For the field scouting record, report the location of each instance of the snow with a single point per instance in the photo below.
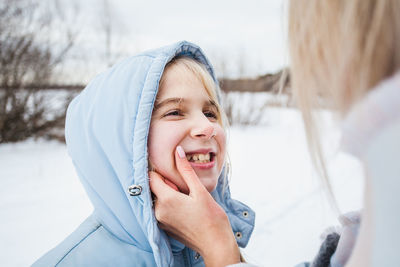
(273, 175)
(42, 200)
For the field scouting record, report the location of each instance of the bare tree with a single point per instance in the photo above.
(27, 61)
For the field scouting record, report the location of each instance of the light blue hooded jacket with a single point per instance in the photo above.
(107, 127)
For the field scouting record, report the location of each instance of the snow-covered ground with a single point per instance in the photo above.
(42, 200)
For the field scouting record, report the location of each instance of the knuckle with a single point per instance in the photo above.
(187, 169)
(185, 166)
(162, 208)
(160, 214)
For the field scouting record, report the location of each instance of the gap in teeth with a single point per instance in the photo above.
(199, 158)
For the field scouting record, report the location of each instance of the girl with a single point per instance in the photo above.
(138, 111)
(348, 53)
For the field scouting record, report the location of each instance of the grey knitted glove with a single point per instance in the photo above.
(349, 232)
(338, 242)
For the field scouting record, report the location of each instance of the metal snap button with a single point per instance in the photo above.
(245, 214)
(238, 235)
(135, 190)
(197, 256)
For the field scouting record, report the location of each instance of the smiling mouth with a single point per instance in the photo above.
(201, 158)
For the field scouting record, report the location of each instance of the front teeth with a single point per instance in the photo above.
(199, 158)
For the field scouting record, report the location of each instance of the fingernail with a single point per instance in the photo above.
(180, 151)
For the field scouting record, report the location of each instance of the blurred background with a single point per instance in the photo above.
(49, 51)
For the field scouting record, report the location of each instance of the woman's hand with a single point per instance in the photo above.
(194, 219)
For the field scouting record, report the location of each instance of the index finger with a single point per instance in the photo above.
(185, 169)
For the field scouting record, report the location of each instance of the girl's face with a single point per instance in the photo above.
(184, 115)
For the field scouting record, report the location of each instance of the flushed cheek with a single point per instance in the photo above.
(160, 150)
(162, 143)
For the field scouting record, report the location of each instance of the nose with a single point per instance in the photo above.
(203, 128)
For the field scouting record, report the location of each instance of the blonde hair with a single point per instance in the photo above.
(339, 50)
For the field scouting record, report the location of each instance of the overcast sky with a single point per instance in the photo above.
(241, 38)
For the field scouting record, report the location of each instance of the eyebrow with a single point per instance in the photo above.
(174, 100)
(177, 100)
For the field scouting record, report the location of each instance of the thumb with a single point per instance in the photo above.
(186, 171)
(159, 186)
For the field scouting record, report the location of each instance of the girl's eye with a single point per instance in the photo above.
(173, 113)
(211, 114)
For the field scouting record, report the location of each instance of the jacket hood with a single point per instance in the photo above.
(107, 127)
